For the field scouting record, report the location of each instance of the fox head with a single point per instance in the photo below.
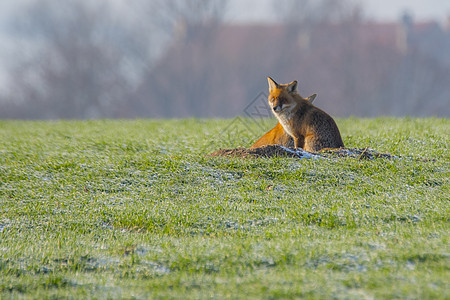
(281, 96)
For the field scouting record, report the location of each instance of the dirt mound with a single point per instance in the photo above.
(280, 151)
(264, 151)
(365, 153)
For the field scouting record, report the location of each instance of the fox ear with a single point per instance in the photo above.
(292, 87)
(311, 98)
(272, 84)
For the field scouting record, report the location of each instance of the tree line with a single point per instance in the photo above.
(165, 59)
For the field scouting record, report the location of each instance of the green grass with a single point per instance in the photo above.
(135, 209)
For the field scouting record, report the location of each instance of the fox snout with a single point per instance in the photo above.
(276, 104)
(277, 108)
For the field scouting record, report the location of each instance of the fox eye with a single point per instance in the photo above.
(272, 99)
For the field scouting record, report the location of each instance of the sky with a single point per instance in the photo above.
(261, 10)
(388, 10)
(380, 10)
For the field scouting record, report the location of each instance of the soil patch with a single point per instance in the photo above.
(280, 151)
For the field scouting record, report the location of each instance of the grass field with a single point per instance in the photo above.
(135, 209)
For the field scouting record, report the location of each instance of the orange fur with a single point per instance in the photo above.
(276, 136)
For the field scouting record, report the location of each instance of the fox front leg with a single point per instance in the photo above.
(299, 142)
(296, 143)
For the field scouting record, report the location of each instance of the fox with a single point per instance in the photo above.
(277, 135)
(311, 128)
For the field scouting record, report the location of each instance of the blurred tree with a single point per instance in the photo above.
(79, 69)
(184, 85)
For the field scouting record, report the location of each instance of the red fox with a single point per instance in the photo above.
(277, 136)
(311, 128)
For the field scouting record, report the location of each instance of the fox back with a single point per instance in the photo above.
(311, 128)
